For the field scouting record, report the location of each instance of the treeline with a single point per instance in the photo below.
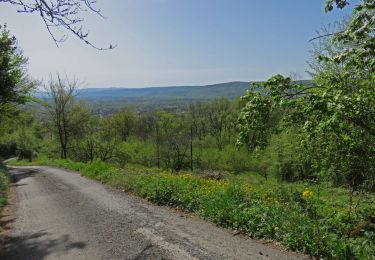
(208, 136)
(201, 138)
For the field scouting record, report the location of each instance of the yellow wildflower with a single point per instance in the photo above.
(277, 228)
(307, 194)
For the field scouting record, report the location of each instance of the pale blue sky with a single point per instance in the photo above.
(178, 42)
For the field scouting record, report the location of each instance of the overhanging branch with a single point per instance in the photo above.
(66, 14)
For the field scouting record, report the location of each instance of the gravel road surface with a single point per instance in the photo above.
(62, 215)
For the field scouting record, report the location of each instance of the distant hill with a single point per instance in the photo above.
(230, 90)
(175, 98)
(107, 100)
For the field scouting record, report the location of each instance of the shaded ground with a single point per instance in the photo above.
(61, 215)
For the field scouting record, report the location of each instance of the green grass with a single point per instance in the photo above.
(319, 224)
(4, 185)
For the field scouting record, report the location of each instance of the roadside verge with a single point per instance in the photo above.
(7, 203)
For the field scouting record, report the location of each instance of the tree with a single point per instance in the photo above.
(56, 14)
(61, 93)
(124, 123)
(172, 141)
(19, 135)
(216, 118)
(26, 136)
(94, 137)
(335, 115)
(15, 86)
(254, 120)
(326, 46)
(14, 82)
(219, 118)
(198, 118)
(145, 126)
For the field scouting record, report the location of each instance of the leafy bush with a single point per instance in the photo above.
(8, 149)
(135, 152)
(228, 159)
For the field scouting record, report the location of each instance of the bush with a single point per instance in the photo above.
(26, 154)
(135, 152)
(8, 149)
(228, 159)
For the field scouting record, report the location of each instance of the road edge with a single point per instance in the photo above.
(8, 213)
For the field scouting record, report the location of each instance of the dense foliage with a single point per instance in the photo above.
(14, 90)
(201, 138)
(334, 117)
(14, 85)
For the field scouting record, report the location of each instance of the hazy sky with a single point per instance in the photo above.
(178, 42)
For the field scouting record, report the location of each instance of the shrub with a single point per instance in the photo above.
(135, 152)
(8, 149)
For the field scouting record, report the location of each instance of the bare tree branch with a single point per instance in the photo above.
(326, 35)
(66, 14)
(61, 93)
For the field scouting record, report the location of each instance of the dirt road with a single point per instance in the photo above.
(61, 215)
